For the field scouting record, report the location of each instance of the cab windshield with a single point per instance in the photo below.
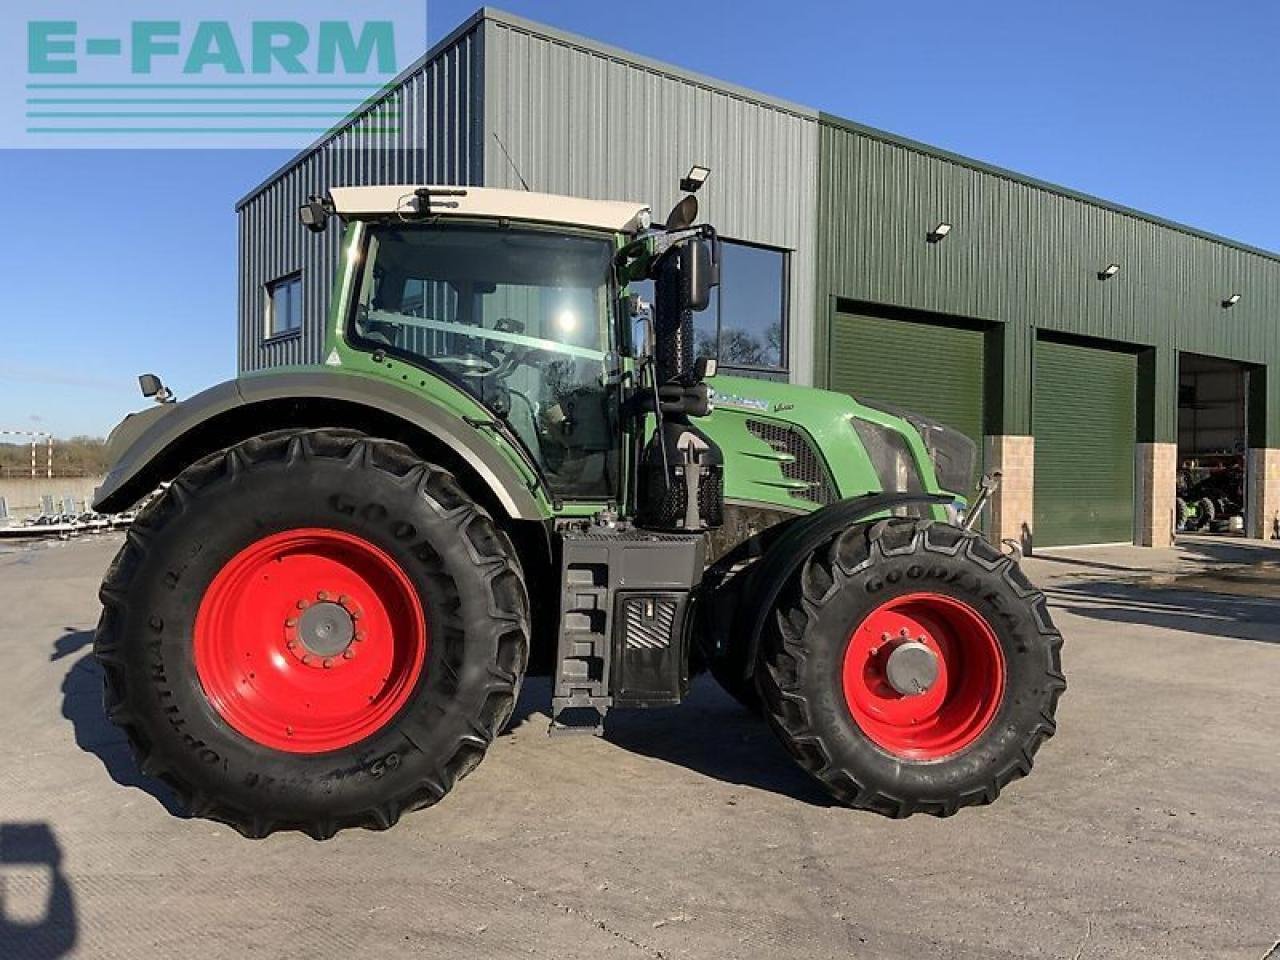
(518, 318)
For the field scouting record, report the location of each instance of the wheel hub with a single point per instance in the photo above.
(923, 675)
(911, 668)
(310, 640)
(326, 629)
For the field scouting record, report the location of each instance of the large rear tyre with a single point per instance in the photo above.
(312, 630)
(912, 668)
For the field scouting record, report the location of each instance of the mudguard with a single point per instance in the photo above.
(766, 578)
(147, 438)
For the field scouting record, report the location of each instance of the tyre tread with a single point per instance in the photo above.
(489, 545)
(783, 653)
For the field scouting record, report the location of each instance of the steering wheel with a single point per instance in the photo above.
(468, 365)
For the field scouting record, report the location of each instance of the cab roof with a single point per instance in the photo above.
(492, 203)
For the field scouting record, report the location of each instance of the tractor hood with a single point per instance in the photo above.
(801, 448)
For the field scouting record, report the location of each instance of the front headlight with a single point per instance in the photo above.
(953, 454)
(890, 456)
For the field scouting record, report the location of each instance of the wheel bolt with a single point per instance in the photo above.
(306, 658)
(359, 636)
(348, 653)
(884, 638)
(355, 614)
(293, 645)
(321, 595)
(328, 662)
(291, 622)
(344, 599)
(302, 604)
(902, 632)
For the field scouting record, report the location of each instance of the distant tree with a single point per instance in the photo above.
(740, 349)
(80, 456)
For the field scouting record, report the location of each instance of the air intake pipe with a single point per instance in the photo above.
(681, 482)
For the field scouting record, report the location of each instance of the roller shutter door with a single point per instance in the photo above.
(932, 370)
(1084, 419)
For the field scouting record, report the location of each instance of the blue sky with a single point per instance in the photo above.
(123, 262)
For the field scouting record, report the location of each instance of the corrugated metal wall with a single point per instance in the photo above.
(852, 204)
(583, 119)
(437, 140)
(1028, 257)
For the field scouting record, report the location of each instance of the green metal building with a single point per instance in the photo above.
(1054, 327)
(1088, 348)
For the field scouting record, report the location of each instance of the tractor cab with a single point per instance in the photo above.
(517, 299)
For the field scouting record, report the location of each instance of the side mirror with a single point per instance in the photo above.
(153, 388)
(698, 271)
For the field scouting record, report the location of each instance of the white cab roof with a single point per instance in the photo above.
(490, 202)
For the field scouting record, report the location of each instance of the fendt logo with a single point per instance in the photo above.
(270, 73)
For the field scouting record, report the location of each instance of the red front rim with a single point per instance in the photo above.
(309, 640)
(956, 707)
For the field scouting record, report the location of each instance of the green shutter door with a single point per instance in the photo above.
(932, 370)
(1084, 420)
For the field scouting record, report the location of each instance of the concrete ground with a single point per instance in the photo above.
(1149, 827)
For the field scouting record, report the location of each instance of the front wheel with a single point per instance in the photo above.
(312, 630)
(912, 668)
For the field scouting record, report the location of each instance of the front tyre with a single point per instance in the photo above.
(912, 668)
(312, 630)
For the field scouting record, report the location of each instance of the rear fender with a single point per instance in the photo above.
(156, 444)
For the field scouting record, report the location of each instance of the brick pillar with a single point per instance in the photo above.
(1157, 493)
(1262, 498)
(1010, 512)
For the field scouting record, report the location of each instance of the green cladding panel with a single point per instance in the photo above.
(1085, 423)
(1027, 255)
(923, 367)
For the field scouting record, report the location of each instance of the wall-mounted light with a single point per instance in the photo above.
(1231, 301)
(1109, 271)
(695, 178)
(938, 233)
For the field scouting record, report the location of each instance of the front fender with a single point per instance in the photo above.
(763, 583)
(157, 443)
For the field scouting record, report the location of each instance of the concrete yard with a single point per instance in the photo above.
(1149, 828)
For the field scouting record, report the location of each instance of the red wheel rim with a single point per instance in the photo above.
(956, 707)
(309, 640)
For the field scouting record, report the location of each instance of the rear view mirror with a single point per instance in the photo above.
(698, 271)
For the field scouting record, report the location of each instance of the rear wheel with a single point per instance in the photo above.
(912, 668)
(312, 630)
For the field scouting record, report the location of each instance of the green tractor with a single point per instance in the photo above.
(508, 460)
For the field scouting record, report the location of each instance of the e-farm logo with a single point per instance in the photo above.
(269, 73)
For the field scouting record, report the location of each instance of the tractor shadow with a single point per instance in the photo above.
(709, 733)
(94, 733)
